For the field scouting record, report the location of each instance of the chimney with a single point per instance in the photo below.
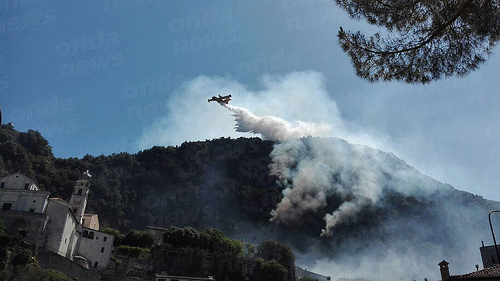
(445, 271)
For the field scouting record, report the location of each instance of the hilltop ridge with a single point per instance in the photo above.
(230, 184)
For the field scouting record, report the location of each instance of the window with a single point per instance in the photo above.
(26, 186)
(80, 191)
(65, 240)
(105, 238)
(83, 221)
(3, 184)
(102, 250)
(85, 233)
(6, 206)
(97, 238)
(91, 235)
(32, 210)
(95, 264)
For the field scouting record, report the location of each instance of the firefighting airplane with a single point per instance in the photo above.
(221, 99)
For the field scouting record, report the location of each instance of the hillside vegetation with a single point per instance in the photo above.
(226, 184)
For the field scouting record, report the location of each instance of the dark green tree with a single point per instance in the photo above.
(137, 238)
(275, 250)
(279, 252)
(182, 237)
(271, 270)
(249, 249)
(217, 242)
(2, 226)
(427, 40)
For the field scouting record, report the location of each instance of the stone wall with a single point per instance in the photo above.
(50, 260)
(195, 262)
(34, 223)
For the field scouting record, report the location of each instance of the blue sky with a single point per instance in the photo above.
(104, 77)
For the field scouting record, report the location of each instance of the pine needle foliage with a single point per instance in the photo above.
(426, 40)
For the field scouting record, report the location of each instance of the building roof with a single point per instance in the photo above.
(90, 215)
(60, 201)
(490, 272)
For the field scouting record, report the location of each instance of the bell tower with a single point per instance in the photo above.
(78, 200)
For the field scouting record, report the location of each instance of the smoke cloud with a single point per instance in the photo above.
(311, 166)
(299, 99)
(319, 155)
(285, 109)
(311, 169)
(274, 128)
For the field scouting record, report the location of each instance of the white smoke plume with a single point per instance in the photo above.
(308, 169)
(310, 166)
(274, 128)
(311, 169)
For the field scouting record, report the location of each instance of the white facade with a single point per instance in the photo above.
(18, 181)
(23, 200)
(63, 232)
(20, 193)
(96, 247)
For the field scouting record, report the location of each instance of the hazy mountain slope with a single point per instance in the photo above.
(347, 210)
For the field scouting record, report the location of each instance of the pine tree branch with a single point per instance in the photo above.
(435, 34)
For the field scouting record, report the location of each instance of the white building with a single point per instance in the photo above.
(96, 247)
(20, 193)
(53, 223)
(63, 229)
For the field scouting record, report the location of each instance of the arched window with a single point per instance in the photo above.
(91, 235)
(85, 234)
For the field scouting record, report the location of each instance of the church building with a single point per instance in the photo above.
(53, 223)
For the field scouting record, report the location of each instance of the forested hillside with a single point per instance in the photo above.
(187, 185)
(227, 184)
